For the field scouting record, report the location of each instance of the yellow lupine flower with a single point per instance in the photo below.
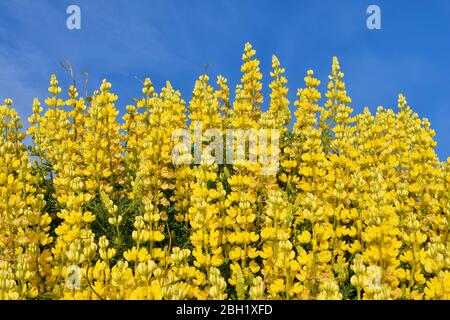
(358, 209)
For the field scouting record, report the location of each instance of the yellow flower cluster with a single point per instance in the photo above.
(94, 208)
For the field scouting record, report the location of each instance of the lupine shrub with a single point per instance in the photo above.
(96, 208)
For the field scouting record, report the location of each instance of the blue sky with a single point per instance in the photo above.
(174, 40)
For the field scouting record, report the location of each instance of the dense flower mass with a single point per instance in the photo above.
(96, 208)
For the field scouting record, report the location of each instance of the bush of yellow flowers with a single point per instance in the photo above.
(358, 208)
